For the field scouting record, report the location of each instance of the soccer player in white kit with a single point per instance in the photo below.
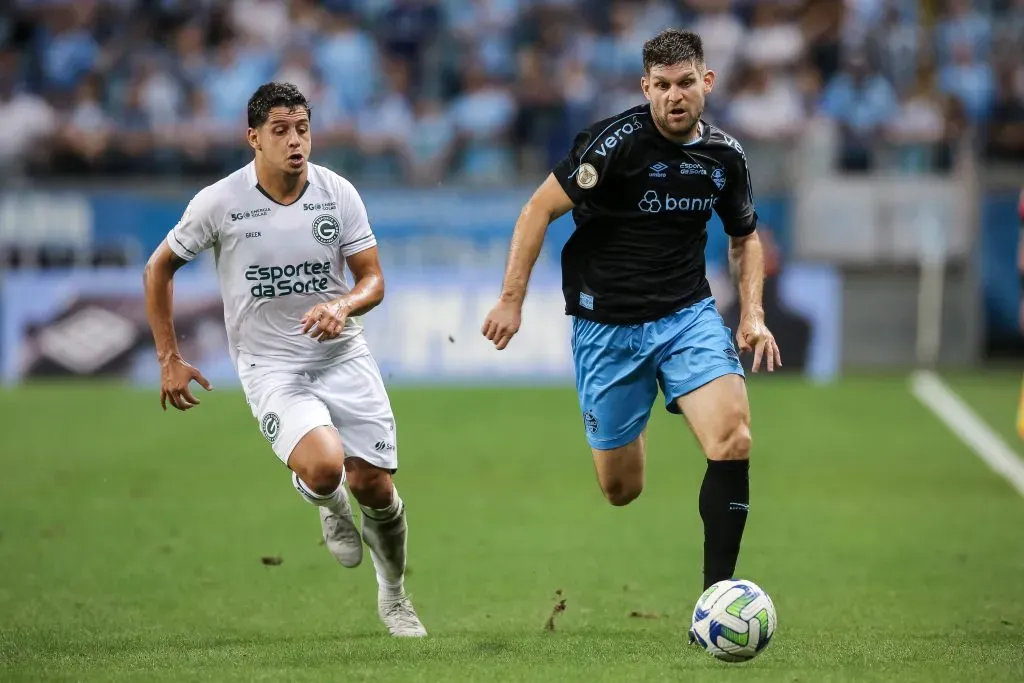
(282, 230)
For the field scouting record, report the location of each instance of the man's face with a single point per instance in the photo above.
(284, 139)
(676, 94)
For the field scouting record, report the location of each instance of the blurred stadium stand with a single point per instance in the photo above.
(876, 130)
(484, 91)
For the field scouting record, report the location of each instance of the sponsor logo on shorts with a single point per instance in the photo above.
(249, 213)
(383, 446)
(326, 229)
(320, 206)
(586, 301)
(590, 422)
(270, 425)
(307, 277)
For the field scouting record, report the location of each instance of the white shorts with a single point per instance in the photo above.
(349, 396)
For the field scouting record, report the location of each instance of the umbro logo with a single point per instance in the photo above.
(658, 170)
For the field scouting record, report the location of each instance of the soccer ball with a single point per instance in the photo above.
(734, 620)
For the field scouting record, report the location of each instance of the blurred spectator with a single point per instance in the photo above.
(381, 127)
(69, 50)
(862, 102)
(766, 106)
(775, 40)
(483, 115)
(348, 58)
(896, 45)
(723, 35)
(36, 120)
(83, 139)
(1006, 126)
(970, 80)
(963, 28)
(429, 145)
(822, 25)
(919, 125)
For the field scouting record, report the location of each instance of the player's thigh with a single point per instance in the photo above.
(616, 382)
(718, 413)
(354, 394)
(695, 348)
(286, 410)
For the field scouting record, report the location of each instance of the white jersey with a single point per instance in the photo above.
(275, 262)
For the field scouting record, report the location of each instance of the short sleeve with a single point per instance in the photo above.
(589, 162)
(736, 204)
(197, 229)
(356, 235)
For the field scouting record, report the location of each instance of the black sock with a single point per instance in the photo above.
(724, 500)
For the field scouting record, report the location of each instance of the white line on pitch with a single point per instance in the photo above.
(965, 423)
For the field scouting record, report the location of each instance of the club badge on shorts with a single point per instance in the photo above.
(270, 425)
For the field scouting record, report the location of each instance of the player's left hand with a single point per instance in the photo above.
(325, 321)
(752, 335)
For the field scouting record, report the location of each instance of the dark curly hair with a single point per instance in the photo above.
(270, 95)
(673, 46)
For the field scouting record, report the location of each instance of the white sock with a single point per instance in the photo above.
(385, 532)
(331, 501)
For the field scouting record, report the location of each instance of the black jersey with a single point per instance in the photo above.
(642, 203)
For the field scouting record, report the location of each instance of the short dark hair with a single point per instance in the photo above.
(274, 94)
(673, 46)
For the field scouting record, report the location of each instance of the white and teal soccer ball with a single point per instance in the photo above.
(734, 620)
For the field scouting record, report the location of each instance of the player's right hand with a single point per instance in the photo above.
(502, 323)
(175, 376)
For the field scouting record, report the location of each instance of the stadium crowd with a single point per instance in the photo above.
(424, 91)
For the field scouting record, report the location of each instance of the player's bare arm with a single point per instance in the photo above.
(548, 202)
(327, 320)
(746, 261)
(175, 373)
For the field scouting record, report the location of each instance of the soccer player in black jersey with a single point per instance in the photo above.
(642, 186)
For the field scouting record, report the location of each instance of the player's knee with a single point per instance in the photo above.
(621, 488)
(323, 475)
(621, 492)
(370, 485)
(735, 444)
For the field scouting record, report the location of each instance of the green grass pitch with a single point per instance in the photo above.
(131, 544)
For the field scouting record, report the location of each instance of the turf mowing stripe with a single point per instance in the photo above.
(930, 390)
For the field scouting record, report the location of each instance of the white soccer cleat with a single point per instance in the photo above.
(398, 615)
(341, 535)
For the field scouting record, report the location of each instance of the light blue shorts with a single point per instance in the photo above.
(620, 367)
